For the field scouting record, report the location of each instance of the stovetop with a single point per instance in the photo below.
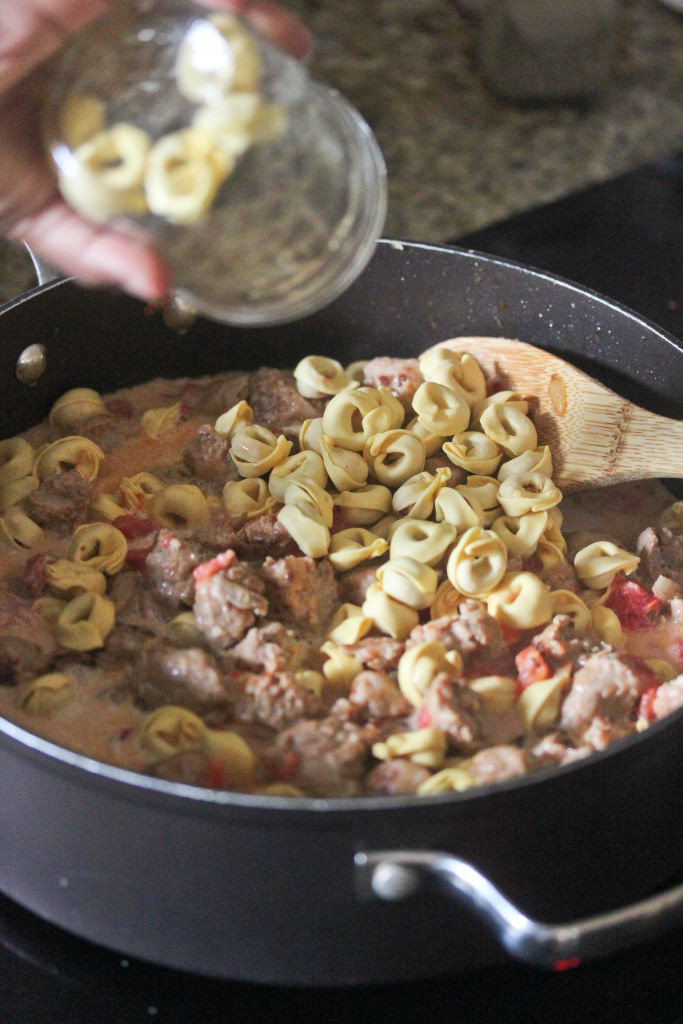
(622, 239)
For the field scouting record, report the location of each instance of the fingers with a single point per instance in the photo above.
(96, 255)
(31, 30)
(277, 24)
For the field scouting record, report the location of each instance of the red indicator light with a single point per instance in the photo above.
(568, 964)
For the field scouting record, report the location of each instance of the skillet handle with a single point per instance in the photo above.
(396, 874)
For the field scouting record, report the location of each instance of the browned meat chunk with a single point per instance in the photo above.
(270, 648)
(328, 757)
(34, 576)
(396, 777)
(61, 498)
(300, 590)
(557, 748)
(221, 394)
(606, 688)
(559, 644)
(264, 536)
(381, 653)
(169, 567)
(172, 675)
(454, 710)
(496, 764)
(661, 554)
(374, 695)
(216, 535)
(278, 405)
(353, 584)
(669, 697)
(207, 456)
(560, 577)
(474, 633)
(20, 660)
(401, 376)
(227, 603)
(277, 700)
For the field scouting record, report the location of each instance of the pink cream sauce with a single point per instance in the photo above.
(104, 722)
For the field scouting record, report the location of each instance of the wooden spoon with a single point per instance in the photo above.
(595, 436)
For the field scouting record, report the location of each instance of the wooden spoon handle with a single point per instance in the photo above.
(617, 441)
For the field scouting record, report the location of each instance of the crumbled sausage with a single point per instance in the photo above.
(278, 700)
(474, 633)
(373, 695)
(497, 764)
(172, 675)
(606, 687)
(402, 376)
(270, 648)
(20, 660)
(381, 653)
(454, 710)
(669, 697)
(396, 777)
(61, 498)
(207, 456)
(328, 757)
(300, 590)
(169, 567)
(227, 603)
(277, 404)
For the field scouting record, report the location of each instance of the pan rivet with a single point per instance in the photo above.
(31, 364)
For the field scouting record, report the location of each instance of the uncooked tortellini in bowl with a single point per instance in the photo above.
(264, 190)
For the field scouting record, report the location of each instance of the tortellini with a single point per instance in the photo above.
(98, 546)
(422, 540)
(255, 450)
(105, 177)
(347, 470)
(457, 370)
(473, 451)
(417, 668)
(156, 422)
(452, 779)
(478, 562)
(137, 490)
(364, 506)
(339, 668)
(597, 564)
(415, 497)
(85, 622)
(307, 516)
(390, 615)
(178, 506)
(72, 452)
(216, 58)
(16, 460)
(318, 376)
(47, 693)
(349, 625)
(76, 406)
(408, 581)
(249, 497)
(350, 547)
(303, 465)
(539, 704)
(528, 492)
(423, 746)
(68, 578)
(18, 529)
(521, 534)
(509, 427)
(238, 415)
(171, 729)
(440, 409)
(520, 600)
(394, 456)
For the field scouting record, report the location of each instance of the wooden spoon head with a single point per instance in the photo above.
(584, 423)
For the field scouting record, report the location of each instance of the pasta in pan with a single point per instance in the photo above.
(348, 582)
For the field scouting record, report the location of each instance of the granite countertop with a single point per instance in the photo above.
(458, 157)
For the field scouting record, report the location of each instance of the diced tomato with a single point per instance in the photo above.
(634, 606)
(424, 718)
(215, 777)
(511, 635)
(646, 704)
(531, 667)
(133, 527)
(566, 965)
(141, 535)
(286, 766)
(214, 565)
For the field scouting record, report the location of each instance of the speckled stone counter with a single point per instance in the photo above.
(459, 158)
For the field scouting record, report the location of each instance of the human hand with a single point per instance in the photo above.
(31, 208)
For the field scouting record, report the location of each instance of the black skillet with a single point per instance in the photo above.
(295, 891)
